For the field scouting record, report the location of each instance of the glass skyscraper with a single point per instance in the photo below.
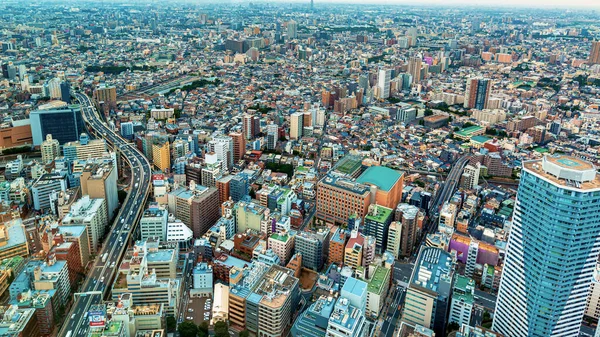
(552, 249)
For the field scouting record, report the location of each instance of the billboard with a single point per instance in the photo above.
(97, 318)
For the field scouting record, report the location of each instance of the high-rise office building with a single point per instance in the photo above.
(239, 186)
(106, 94)
(43, 187)
(272, 136)
(250, 126)
(383, 82)
(313, 247)
(239, 145)
(127, 130)
(64, 124)
(377, 223)
(153, 224)
(292, 29)
(222, 146)
(552, 249)
(92, 214)
(53, 87)
(161, 155)
(50, 149)
(414, 68)
(429, 290)
(339, 198)
(65, 92)
(197, 207)
(99, 180)
(477, 93)
(461, 305)
(595, 53)
(296, 125)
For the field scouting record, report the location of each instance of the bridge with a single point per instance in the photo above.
(96, 286)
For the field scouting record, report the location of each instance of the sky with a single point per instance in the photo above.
(594, 4)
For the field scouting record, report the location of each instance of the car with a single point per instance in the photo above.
(102, 279)
(191, 310)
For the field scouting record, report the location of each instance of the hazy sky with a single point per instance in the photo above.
(487, 3)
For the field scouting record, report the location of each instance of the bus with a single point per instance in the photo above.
(104, 257)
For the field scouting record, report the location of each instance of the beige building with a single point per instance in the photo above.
(142, 282)
(489, 116)
(50, 149)
(220, 309)
(282, 245)
(296, 125)
(161, 156)
(592, 308)
(99, 181)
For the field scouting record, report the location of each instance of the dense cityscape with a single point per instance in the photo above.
(314, 169)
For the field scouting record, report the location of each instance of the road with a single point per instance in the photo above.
(95, 287)
(485, 300)
(388, 328)
(443, 196)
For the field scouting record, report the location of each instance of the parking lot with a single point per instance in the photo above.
(194, 310)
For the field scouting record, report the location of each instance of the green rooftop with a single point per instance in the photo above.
(111, 329)
(383, 177)
(383, 214)
(11, 263)
(480, 139)
(349, 164)
(467, 132)
(540, 150)
(380, 277)
(279, 237)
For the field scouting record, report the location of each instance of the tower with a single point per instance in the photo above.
(595, 53)
(477, 93)
(552, 249)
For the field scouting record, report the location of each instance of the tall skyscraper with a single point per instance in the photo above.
(414, 68)
(250, 126)
(296, 125)
(552, 249)
(292, 29)
(477, 93)
(272, 135)
(239, 145)
(385, 76)
(595, 53)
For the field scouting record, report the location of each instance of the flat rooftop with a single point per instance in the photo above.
(432, 264)
(382, 214)
(565, 171)
(379, 277)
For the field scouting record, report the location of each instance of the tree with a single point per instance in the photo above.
(428, 112)
(244, 333)
(122, 195)
(171, 323)
(203, 327)
(452, 326)
(221, 329)
(188, 329)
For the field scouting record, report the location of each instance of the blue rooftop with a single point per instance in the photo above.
(354, 286)
(383, 177)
